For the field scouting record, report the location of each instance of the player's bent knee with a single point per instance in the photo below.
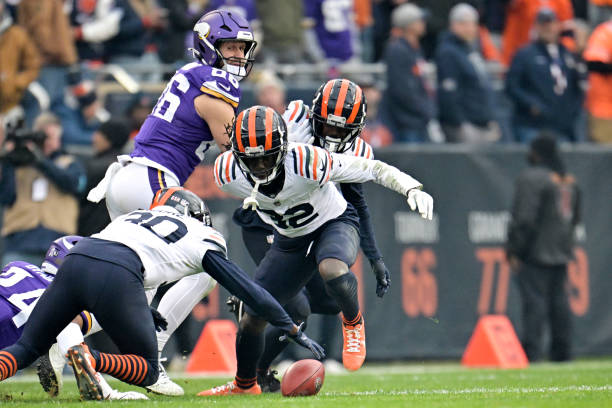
(331, 268)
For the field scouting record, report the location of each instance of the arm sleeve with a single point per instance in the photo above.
(236, 281)
(353, 193)
(29, 63)
(72, 179)
(350, 169)
(8, 190)
(448, 89)
(525, 208)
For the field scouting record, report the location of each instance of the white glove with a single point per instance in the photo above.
(298, 124)
(422, 202)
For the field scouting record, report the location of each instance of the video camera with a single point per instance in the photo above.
(20, 135)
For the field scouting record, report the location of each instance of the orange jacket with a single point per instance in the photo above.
(599, 95)
(520, 17)
(363, 13)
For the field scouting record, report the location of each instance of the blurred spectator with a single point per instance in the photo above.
(465, 96)
(39, 186)
(45, 20)
(270, 91)
(600, 11)
(546, 84)
(407, 103)
(520, 21)
(182, 16)
(545, 212)
(19, 63)
(374, 131)
(330, 31)
(82, 112)
(281, 22)
(598, 56)
(138, 110)
(108, 142)
(365, 24)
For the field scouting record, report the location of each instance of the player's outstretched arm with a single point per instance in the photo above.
(218, 115)
(350, 169)
(238, 283)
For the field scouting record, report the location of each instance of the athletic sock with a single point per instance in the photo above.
(69, 337)
(8, 365)
(344, 290)
(129, 368)
(249, 347)
(245, 382)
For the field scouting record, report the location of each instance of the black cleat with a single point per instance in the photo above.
(268, 382)
(81, 361)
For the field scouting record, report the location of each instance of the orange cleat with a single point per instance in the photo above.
(84, 367)
(231, 388)
(354, 347)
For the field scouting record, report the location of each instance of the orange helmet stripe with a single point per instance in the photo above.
(315, 163)
(227, 169)
(238, 132)
(356, 106)
(325, 101)
(269, 116)
(252, 133)
(341, 97)
(162, 200)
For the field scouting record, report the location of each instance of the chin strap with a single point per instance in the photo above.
(251, 202)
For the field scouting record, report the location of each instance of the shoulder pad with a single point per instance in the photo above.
(311, 162)
(361, 148)
(225, 168)
(214, 82)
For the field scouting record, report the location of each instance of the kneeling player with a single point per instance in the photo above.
(107, 274)
(316, 229)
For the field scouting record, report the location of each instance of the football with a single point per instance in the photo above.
(303, 378)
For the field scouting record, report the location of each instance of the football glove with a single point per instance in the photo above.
(159, 321)
(383, 279)
(303, 340)
(422, 202)
(298, 126)
(236, 307)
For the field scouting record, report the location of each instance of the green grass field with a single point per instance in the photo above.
(578, 384)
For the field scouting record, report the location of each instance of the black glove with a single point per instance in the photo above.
(304, 341)
(383, 280)
(236, 307)
(159, 321)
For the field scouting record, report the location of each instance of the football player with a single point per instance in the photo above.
(108, 274)
(338, 136)
(21, 285)
(288, 184)
(190, 115)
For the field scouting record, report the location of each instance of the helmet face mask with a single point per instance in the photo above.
(259, 143)
(184, 201)
(217, 27)
(338, 115)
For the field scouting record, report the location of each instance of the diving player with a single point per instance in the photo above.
(21, 285)
(191, 114)
(315, 229)
(340, 136)
(108, 273)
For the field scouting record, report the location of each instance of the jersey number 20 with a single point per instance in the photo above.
(167, 228)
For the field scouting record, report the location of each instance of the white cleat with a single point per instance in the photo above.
(129, 395)
(49, 370)
(164, 385)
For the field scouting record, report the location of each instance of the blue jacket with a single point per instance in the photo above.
(540, 100)
(464, 89)
(406, 102)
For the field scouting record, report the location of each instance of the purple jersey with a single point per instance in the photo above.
(333, 19)
(21, 285)
(244, 8)
(174, 135)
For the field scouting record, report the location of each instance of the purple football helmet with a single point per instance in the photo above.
(57, 252)
(215, 27)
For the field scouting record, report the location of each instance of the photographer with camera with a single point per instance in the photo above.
(40, 186)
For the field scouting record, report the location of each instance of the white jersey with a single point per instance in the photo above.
(169, 244)
(308, 199)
